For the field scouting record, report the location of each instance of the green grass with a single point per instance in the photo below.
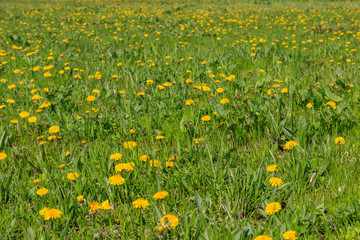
(219, 187)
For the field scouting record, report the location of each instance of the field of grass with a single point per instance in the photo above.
(179, 120)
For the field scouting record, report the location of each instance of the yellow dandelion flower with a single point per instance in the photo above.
(339, 141)
(24, 114)
(169, 220)
(140, 203)
(80, 198)
(116, 180)
(309, 105)
(90, 98)
(52, 214)
(3, 155)
(289, 235)
(272, 208)
(144, 157)
(42, 191)
(271, 168)
(129, 144)
(54, 129)
(290, 145)
(124, 166)
(161, 195)
(115, 156)
(106, 205)
(72, 176)
(94, 206)
(332, 104)
(275, 181)
(206, 118)
(263, 237)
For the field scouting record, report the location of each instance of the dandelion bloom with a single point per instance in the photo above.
(159, 137)
(272, 208)
(271, 168)
(42, 191)
(45, 104)
(94, 206)
(206, 118)
(140, 93)
(96, 90)
(52, 213)
(189, 102)
(129, 144)
(275, 181)
(154, 163)
(160, 195)
(339, 141)
(289, 235)
(54, 129)
(24, 114)
(90, 98)
(125, 166)
(140, 203)
(309, 105)
(36, 181)
(144, 157)
(14, 121)
(116, 180)
(169, 164)
(3, 155)
(284, 90)
(72, 176)
(43, 210)
(224, 101)
(332, 104)
(263, 237)
(169, 220)
(290, 145)
(105, 205)
(115, 156)
(32, 119)
(80, 198)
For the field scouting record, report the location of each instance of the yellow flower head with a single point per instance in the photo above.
(3, 155)
(72, 176)
(129, 144)
(116, 180)
(94, 206)
(332, 104)
(115, 156)
(90, 98)
(224, 101)
(309, 105)
(106, 205)
(24, 114)
(271, 168)
(52, 213)
(124, 166)
(161, 195)
(80, 198)
(54, 129)
(339, 141)
(290, 145)
(140, 203)
(159, 137)
(272, 208)
(42, 191)
(169, 220)
(263, 237)
(144, 157)
(275, 181)
(206, 118)
(289, 235)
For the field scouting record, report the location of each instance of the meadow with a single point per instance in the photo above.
(179, 120)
